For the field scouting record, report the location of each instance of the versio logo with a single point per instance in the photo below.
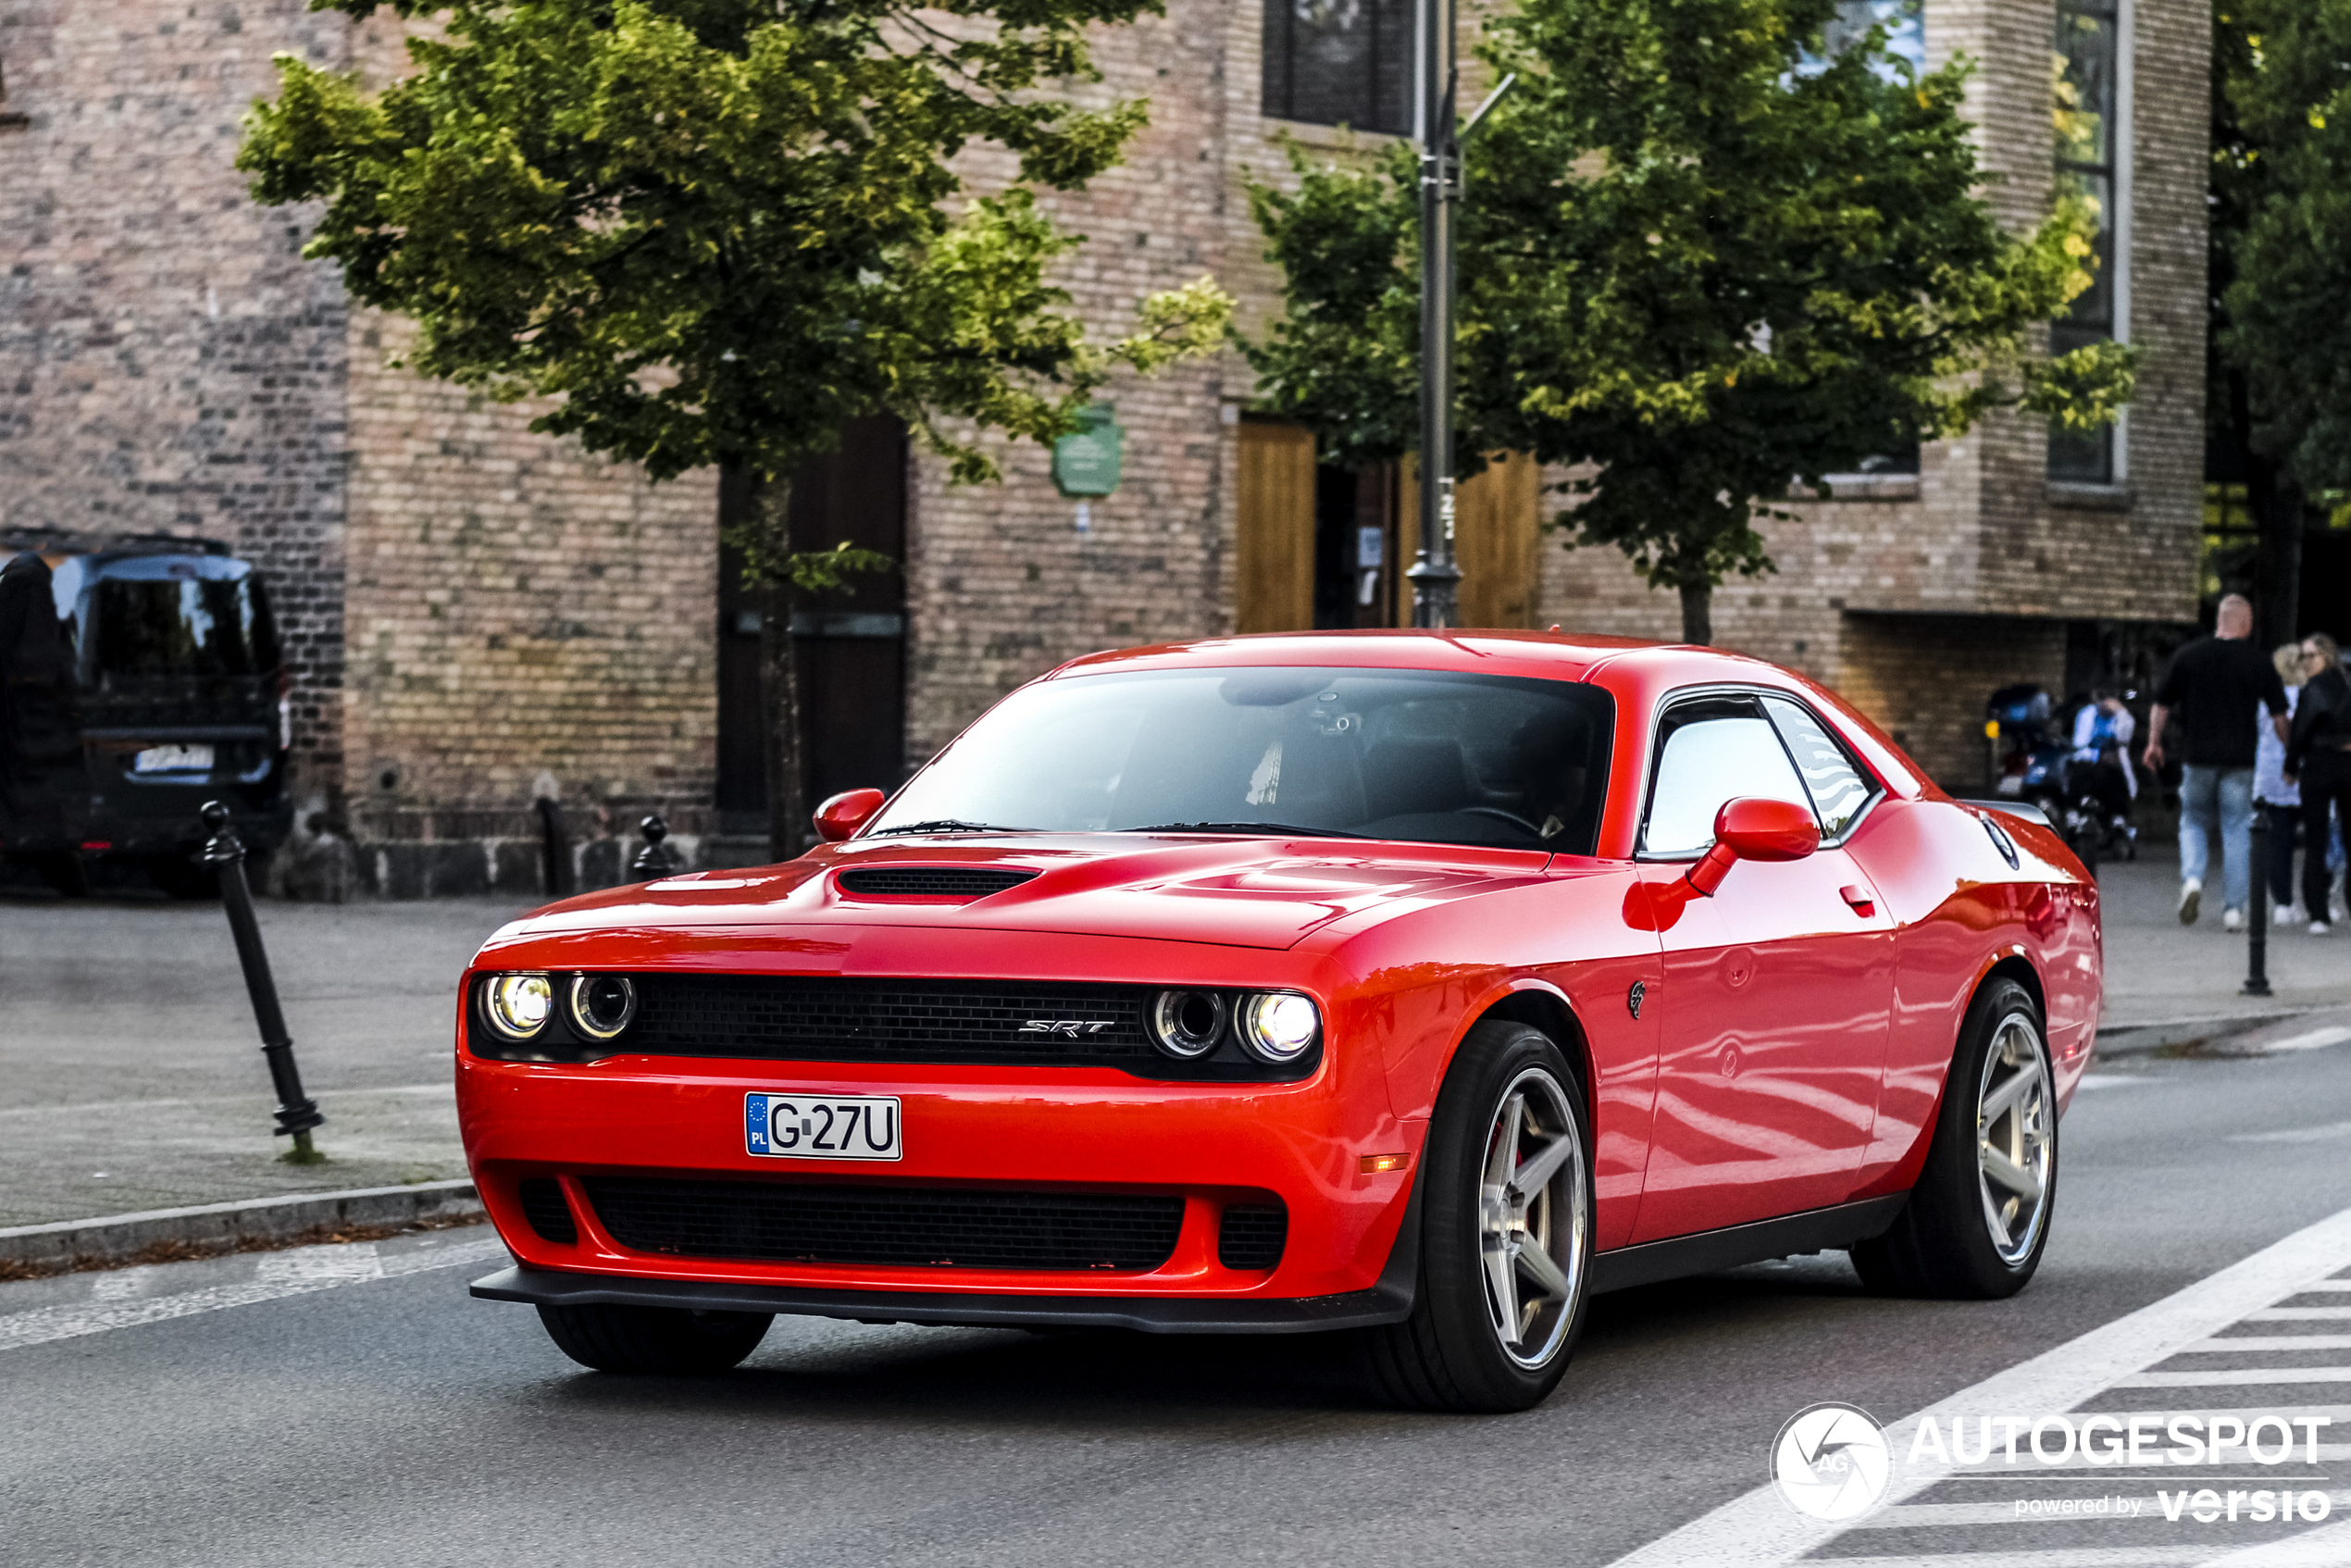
(1830, 1461)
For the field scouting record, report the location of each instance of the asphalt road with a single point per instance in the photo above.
(351, 1405)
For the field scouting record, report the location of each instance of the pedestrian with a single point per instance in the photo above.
(2273, 794)
(2100, 762)
(2318, 759)
(2217, 685)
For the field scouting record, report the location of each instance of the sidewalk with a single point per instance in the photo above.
(131, 1076)
(2159, 972)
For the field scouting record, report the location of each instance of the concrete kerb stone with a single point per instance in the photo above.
(230, 1227)
(2170, 1034)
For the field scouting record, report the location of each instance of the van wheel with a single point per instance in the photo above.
(1506, 1232)
(181, 877)
(1978, 1220)
(671, 1340)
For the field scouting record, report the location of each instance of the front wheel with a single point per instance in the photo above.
(1978, 1220)
(670, 1340)
(1506, 1232)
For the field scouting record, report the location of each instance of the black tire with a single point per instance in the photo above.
(180, 876)
(664, 1341)
(63, 870)
(1945, 1244)
(1449, 1356)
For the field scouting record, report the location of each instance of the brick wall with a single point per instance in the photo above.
(167, 361)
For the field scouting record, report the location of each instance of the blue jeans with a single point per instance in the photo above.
(2227, 794)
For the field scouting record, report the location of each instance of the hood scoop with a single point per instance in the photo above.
(959, 882)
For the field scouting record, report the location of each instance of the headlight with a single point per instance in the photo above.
(603, 1005)
(1187, 1023)
(518, 1005)
(1278, 1025)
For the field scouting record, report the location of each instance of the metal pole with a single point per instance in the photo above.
(2257, 926)
(297, 1112)
(1432, 574)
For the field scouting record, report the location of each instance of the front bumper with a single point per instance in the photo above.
(1067, 1131)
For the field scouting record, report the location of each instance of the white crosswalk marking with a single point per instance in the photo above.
(1760, 1530)
(276, 1275)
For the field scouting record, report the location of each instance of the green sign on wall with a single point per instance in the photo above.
(1085, 461)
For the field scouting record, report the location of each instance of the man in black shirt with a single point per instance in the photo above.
(2218, 685)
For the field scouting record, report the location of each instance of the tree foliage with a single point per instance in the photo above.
(2282, 184)
(1696, 257)
(714, 231)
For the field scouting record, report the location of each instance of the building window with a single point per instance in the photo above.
(10, 120)
(1340, 62)
(2089, 153)
(1905, 24)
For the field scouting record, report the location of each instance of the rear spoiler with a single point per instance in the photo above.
(2029, 812)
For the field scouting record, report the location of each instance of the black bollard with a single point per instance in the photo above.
(656, 859)
(297, 1112)
(2256, 925)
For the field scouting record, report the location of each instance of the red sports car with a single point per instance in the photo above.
(1413, 984)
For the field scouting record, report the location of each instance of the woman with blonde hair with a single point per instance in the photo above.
(2271, 792)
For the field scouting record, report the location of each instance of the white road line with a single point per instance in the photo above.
(278, 1275)
(2315, 1039)
(2073, 1557)
(2319, 1134)
(2299, 1314)
(2329, 1546)
(2108, 1080)
(2269, 1342)
(1758, 1529)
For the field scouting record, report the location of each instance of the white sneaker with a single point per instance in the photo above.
(2318, 927)
(2191, 896)
(2294, 914)
(2233, 920)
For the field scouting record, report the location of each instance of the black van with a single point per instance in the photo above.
(178, 692)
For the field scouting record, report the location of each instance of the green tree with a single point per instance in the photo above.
(2280, 394)
(714, 231)
(1697, 257)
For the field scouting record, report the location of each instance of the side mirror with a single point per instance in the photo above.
(1754, 828)
(841, 816)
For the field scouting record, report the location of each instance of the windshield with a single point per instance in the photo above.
(176, 617)
(1410, 754)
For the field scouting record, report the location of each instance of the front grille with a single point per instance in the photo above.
(1252, 1235)
(919, 1228)
(931, 881)
(820, 1019)
(543, 1206)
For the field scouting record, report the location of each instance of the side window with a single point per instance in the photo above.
(1839, 789)
(1715, 750)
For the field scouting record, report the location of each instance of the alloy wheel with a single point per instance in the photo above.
(2015, 1138)
(1533, 1218)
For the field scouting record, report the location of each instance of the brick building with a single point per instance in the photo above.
(481, 616)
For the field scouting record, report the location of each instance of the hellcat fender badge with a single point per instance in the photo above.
(1632, 998)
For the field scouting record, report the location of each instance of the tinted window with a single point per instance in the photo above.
(1714, 751)
(180, 618)
(1404, 755)
(1837, 787)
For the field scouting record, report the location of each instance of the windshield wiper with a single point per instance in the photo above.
(942, 825)
(1268, 829)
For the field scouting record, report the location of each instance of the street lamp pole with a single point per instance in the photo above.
(1434, 576)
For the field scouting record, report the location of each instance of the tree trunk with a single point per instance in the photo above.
(1697, 612)
(787, 818)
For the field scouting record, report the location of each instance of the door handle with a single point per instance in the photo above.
(1863, 902)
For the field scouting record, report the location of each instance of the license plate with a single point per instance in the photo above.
(823, 1126)
(172, 759)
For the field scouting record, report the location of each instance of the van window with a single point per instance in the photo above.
(189, 622)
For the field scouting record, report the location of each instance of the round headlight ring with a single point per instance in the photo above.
(603, 1005)
(519, 1007)
(1279, 1026)
(1187, 1023)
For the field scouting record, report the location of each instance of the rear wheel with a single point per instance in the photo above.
(1978, 1220)
(182, 876)
(1506, 1232)
(654, 1339)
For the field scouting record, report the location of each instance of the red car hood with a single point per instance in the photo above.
(1236, 892)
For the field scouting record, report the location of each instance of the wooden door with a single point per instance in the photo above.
(1496, 540)
(1274, 580)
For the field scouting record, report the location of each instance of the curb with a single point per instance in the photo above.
(227, 1227)
(2143, 1039)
